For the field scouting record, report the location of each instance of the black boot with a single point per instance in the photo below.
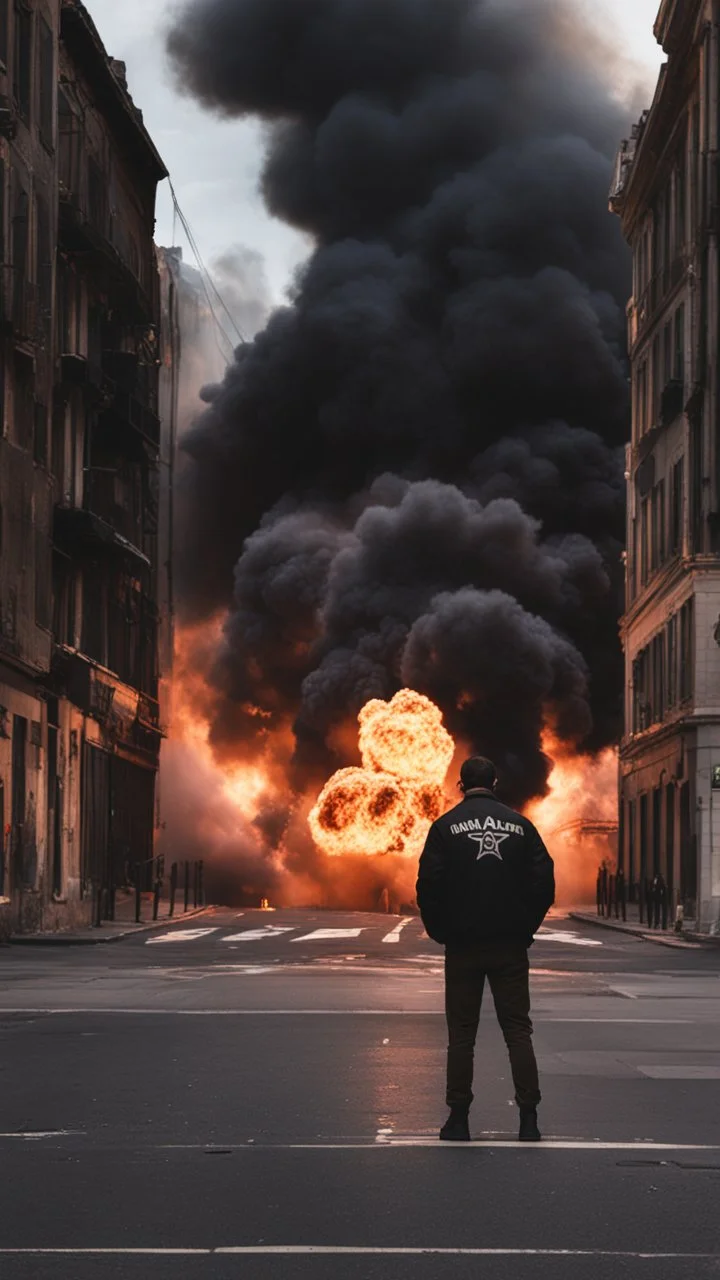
(529, 1131)
(456, 1127)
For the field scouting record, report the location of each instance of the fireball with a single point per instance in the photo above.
(405, 737)
(386, 806)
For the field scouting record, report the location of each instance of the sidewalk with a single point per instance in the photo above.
(123, 926)
(665, 937)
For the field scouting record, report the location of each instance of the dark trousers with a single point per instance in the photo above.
(507, 969)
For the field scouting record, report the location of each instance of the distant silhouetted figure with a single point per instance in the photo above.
(485, 885)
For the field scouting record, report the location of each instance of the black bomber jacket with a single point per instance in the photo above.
(485, 874)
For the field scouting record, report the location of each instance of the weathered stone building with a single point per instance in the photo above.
(79, 486)
(667, 195)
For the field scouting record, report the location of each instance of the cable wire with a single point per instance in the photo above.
(205, 275)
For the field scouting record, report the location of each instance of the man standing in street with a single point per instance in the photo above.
(485, 885)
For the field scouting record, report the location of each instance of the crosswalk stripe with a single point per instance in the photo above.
(567, 936)
(258, 935)
(181, 935)
(394, 935)
(326, 935)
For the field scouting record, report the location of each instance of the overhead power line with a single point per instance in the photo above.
(206, 279)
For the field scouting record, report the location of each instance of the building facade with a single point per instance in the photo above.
(666, 193)
(81, 581)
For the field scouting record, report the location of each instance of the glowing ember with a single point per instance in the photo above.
(387, 805)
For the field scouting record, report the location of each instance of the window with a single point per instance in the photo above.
(69, 146)
(4, 16)
(24, 400)
(657, 517)
(685, 682)
(657, 381)
(43, 580)
(20, 255)
(662, 672)
(641, 705)
(667, 354)
(658, 676)
(2, 391)
(676, 508)
(40, 434)
(94, 611)
(641, 399)
(44, 263)
(644, 565)
(672, 685)
(22, 78)
(47, 82)
(63, 599)
(678, 364)
(695, 165)
(57, 457)
(97, 196)
(680, 205)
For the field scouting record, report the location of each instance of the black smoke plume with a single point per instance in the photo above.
(413, 474)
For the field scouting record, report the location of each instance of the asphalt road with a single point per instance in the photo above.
(258, 1095)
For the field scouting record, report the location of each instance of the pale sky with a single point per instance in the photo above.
(215, 165)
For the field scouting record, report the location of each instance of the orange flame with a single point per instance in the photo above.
(578, 818)
(387, 805)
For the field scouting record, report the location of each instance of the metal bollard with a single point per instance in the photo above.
(173, 887)
(156, 897)
(187, 884)
(201, 879)
(622, 894)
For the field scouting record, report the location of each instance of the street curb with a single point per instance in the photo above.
(647, 935)
(95, 936)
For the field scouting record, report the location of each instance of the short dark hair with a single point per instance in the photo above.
(478, 771)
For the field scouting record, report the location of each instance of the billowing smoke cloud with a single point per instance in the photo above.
(412, 474)
(239, 275)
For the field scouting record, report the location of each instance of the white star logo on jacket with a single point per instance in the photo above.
(489, 844)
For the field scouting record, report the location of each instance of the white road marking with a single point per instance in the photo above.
(126, 1011)
(548, 1144)
(180, 935)
(394, 935)
(31, 1136)
(681, 1073)
(257, 935)
(565, 935)
(327, 935)
(419, 1251)
(275, 1250)
(489, 1143)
